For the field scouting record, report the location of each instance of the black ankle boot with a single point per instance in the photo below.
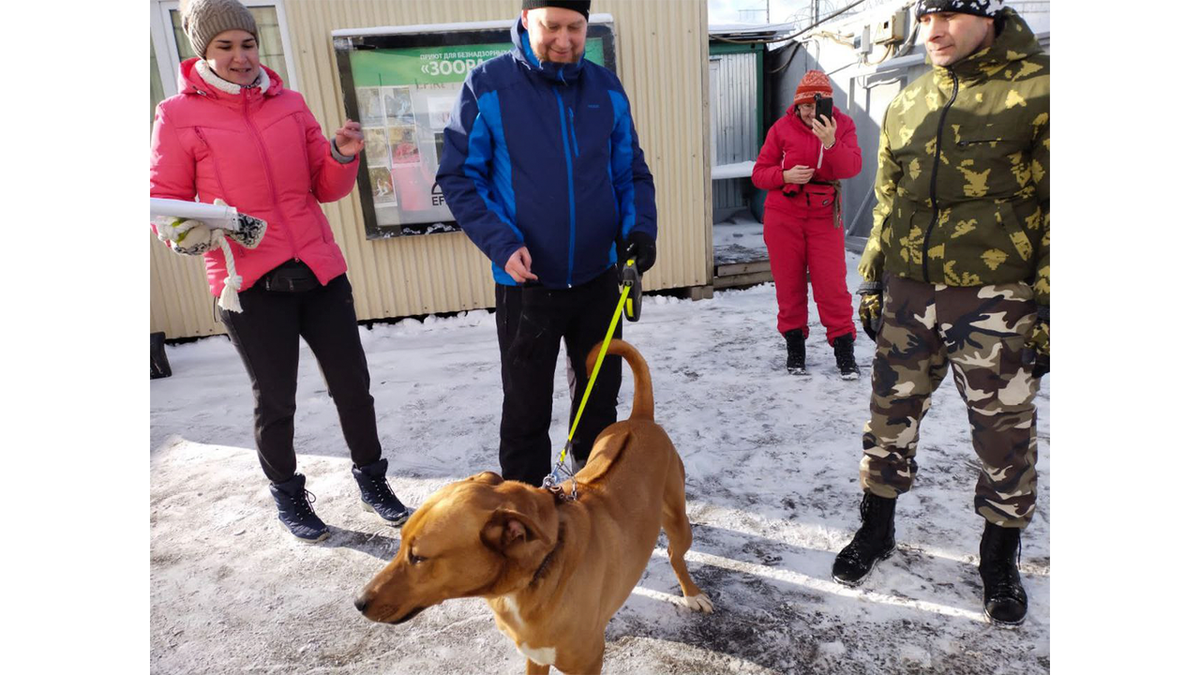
(843, 353)
(295, 510)
(795, 351)
(1004, 599)
(377, 495)
(874, 541)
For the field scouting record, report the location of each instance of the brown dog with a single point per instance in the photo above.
(554, 571)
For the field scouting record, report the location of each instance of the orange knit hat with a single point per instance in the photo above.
(813, 82)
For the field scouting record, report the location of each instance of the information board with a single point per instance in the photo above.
(402, 84)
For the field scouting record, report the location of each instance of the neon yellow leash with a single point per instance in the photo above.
(627, 283)
(612, 328)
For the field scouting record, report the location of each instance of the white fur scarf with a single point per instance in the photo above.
(206, 73)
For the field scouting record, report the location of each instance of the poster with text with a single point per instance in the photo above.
(404, 96)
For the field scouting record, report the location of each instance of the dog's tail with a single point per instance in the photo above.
(643, 391)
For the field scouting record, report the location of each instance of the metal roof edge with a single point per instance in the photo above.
(444, 27)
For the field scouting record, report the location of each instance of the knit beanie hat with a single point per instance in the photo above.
(984, 8)
(813, 82)
(581, 6)
(203, 20)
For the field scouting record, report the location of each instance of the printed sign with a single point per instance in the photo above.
(404, 95)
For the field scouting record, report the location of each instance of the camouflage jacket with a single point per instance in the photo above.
(963, 186)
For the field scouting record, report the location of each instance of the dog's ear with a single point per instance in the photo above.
(507, 529)
(488, 477)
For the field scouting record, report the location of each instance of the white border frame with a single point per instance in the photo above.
(162, 46)
(162, 34)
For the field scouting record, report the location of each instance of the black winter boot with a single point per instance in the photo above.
(874, 541)
(295, 510)
(795, 351)
(377, 495)
(1004, 599)
(843, 353)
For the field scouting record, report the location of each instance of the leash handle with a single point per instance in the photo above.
(612, 327)
(632, 279)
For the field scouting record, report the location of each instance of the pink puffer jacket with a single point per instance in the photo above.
(264, 154)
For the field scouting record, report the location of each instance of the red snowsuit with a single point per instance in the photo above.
(802, 234)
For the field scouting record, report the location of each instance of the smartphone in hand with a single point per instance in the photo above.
(824, 107)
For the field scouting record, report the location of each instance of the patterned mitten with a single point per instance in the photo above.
(246, 230)
(186, 237)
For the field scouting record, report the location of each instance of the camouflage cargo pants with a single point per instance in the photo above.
(980, 332)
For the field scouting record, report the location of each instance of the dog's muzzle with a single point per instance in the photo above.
(408, 616)
(362, 604)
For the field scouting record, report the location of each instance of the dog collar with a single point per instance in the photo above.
(537, 574)
(560, 496)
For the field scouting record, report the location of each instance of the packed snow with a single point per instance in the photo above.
(772, 483)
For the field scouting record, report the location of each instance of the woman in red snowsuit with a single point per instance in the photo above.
(801, 164)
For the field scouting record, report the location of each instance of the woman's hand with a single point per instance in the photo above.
(826, 132)
(798, 175)
(349, 139)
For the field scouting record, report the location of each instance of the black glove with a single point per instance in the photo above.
(640, 247)
(870, 308)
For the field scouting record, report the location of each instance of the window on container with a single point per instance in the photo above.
(270, 40)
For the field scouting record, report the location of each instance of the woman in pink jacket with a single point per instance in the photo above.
(801, 164)
(234, 133)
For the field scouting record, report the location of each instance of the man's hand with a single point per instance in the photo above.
(798, 175)
(349, 139)
(826, 132)
(640, 247)
(1039, 343)
(518, 266)
(870, 308)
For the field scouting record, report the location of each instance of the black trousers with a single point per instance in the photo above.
(530, 323)
(266, 334)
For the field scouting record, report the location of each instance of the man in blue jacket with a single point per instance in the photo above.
(542, 169)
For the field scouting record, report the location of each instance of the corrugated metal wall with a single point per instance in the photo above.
(733, 98)
(662, 59)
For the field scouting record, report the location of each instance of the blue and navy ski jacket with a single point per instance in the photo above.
(544, 155)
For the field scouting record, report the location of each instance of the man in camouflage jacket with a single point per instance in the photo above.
(957, 275)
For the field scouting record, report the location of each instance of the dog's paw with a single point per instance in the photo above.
(699, 603)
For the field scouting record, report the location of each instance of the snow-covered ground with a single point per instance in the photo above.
(772, 478)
